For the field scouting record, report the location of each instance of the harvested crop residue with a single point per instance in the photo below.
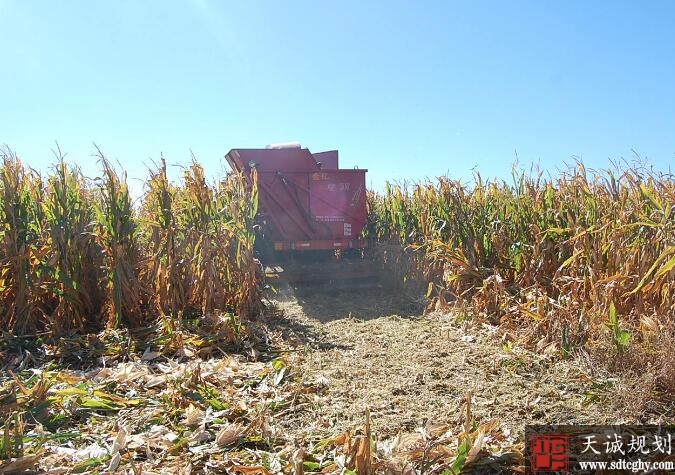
(328, 373)
(374, 350)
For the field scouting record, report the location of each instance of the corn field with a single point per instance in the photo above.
(77, 254)
(581, 265)
(563, 257)
(554, 255)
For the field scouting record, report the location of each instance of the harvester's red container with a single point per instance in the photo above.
(306, 201)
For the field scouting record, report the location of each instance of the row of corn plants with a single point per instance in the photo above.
(563, 256)
(78, 254)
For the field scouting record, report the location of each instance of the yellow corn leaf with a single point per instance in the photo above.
(667, 267)
(651, 270)
(570, 260)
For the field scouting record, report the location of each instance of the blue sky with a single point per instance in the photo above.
(406, 89)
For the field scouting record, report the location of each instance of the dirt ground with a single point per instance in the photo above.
(374, 349)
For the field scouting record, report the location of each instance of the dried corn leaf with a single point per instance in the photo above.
(230, 434)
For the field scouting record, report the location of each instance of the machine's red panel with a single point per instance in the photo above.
(284, 199)
(338, 200)
(305, 199)
(328, 160)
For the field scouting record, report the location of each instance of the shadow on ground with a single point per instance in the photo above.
(320, 304)
(326, 303)
(286, 330)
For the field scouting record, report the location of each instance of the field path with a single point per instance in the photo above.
(371, 349)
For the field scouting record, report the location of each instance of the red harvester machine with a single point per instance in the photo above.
(311, 213)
